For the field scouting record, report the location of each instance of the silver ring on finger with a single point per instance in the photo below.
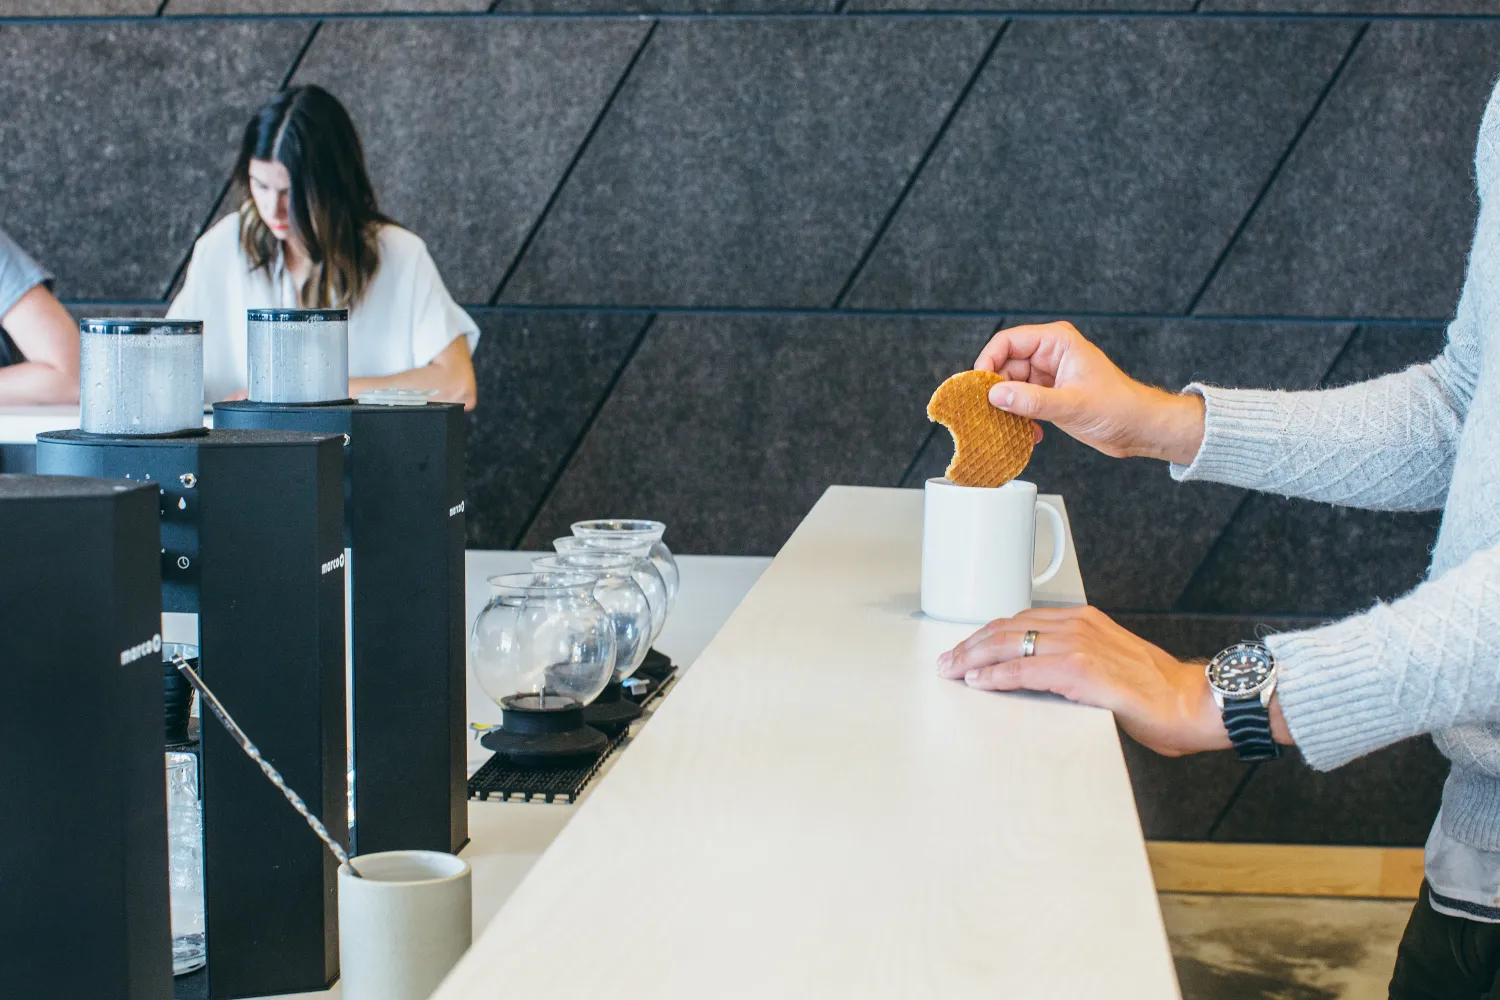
(1028, 644)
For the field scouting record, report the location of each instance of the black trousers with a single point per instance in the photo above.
(1446, 958)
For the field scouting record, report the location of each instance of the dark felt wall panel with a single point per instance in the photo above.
(1389, 797)
(1022, 5)
(749, 162)
(118, 137)
(319, 6)
(1390, 155)
(76, 8)
(1280, 556)
(673, 6)
(730, 427)
(1352, 6)
(1054, 191)
(542, 376)
(470, 125)
(670, 210)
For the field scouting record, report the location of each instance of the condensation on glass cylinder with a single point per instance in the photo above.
(298, 355)
(140, 376)
(185, 862)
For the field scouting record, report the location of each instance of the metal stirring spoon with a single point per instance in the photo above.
(253, 752)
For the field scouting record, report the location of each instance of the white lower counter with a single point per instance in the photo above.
(21, 424)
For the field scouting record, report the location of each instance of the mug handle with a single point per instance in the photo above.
(1059, 543)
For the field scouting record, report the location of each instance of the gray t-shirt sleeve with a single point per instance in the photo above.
(19, 274)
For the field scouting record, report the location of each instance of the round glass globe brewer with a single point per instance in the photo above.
(543, 634)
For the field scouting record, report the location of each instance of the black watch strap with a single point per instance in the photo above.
(1249, 725)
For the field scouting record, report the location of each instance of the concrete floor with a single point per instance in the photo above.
(1283, 947)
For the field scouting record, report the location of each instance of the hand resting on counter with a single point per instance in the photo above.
(1055, 374)
(1083, 655)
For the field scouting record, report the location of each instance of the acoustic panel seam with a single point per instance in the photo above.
(636, 16)
(1014, 314)
(651, 310)
(1338, 71)
(911, 180)
(1289, 616)
(1239, 508)
(1305, 619)
(583, 432)
(1337, 357)
(1234, 796)
(536, 226)
(229, 181)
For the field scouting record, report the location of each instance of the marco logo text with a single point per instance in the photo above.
(140, 649)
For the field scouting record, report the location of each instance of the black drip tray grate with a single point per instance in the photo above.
(499, 780)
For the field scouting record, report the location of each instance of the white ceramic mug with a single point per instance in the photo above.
(977, 549)
(403, 924)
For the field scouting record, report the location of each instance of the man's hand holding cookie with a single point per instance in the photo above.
(1055, 375)
(1050, 372)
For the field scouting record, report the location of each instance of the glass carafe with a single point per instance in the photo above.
(543, 641)
(646, 575)
(652, 531)
(620, 596)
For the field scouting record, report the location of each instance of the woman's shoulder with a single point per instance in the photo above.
(222, 238)
(399, 245)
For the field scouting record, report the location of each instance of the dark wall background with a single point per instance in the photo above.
(723, 249)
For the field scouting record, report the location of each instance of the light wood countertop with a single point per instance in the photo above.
(814, 813)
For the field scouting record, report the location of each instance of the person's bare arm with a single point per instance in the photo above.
(451, 373)
(44, 332)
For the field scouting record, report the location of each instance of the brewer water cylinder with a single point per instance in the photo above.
(298, 355)
(140, 376)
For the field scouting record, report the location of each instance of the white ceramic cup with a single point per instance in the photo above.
(404, 924)
(977, 549)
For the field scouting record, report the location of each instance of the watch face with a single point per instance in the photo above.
(1241, 671)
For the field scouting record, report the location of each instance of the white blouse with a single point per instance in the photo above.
(405, 319)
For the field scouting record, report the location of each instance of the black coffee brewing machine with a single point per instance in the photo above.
(251, 540)
(83, 834)
(403, 479)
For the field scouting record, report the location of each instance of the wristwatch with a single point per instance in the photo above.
(1243, 678)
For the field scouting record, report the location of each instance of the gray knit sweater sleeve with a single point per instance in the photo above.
(1429, 661)
(1387, 444)
(1425, 663)
(1367, 681)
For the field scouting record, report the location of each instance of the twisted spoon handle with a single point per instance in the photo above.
(253, 752)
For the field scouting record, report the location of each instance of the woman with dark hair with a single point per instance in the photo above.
(309, 234)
